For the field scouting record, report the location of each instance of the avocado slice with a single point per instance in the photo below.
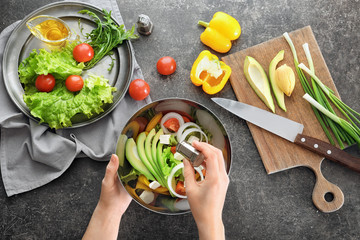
(120, 149)
(153, 147)
(148, 142)
(148, 153)
(258, 80)
(140, 143)
(132, 156)
(279, 95)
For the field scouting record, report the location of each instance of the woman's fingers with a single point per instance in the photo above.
(189, 174)
(211, 158)
(111, 170)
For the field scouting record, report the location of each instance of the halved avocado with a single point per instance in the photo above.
(132, 156)
(279, 95)
(258, 80)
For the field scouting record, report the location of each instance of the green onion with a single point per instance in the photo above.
(342, 129)
(308, 89)
(352, 131)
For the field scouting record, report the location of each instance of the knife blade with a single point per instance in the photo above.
(289, 130)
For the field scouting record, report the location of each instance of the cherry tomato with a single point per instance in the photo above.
(166, 65)
(83, 52)
(180, 188)
(74, 83)
(139, 89)
(45, 83)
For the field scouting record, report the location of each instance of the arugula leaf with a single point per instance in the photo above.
(105, 37)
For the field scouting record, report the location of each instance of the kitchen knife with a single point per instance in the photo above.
(289, 130)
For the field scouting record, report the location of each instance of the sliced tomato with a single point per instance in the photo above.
(173, 149)
(180, 188)
(172, 124)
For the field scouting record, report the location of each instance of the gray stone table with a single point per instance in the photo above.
(258, 206)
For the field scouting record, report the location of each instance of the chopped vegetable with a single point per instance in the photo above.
(193, 138)
(171, 125)
(209, 72)
(173, 173)
(220, 31)
(153, 122)
(258, 80)
(279, 95)
(106, 36)
(180, 188)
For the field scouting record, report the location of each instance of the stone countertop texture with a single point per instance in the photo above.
(258, 206)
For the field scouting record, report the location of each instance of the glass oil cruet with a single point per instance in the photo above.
(51, 30)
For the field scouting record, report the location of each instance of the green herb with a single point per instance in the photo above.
(343, 131)
(105, 37)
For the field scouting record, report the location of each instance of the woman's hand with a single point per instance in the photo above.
(113, 202)
(207, 198)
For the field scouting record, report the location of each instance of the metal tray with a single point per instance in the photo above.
(22, 42)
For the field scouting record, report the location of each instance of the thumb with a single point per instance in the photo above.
(111, 168)
(189, 174)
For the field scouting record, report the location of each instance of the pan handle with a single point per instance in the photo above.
(323, 188)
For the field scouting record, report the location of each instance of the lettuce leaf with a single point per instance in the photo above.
(169, 162)
(57, 107)
(59, 62)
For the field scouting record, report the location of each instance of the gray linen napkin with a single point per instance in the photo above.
(31, 155)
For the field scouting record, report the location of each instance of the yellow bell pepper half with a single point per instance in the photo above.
(209, 72)
(220, 31)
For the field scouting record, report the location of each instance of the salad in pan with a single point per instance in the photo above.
(150, 167)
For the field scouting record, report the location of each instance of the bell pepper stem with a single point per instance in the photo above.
(204, 24)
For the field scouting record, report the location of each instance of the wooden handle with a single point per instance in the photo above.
(328, 151)
(324, 187)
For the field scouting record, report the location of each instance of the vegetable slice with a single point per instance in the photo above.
(279, 95)
(169, 116)
(258, 80)
(171, 176)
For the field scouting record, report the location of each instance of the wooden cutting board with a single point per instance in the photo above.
(277, 153)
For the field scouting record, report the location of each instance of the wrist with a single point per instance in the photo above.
(107, 214)
(211, 229)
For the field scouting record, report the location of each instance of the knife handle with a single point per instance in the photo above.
(328, 151)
